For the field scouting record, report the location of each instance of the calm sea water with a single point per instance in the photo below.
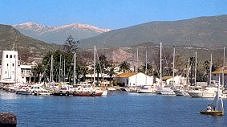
(115, 110)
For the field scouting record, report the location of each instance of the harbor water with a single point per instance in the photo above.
(115, 110)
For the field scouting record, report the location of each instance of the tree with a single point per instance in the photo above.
(111, 73)
(149, 69)
(84, 71)
(125, 66)
(38, 71)
(71, 45)
(56, 64)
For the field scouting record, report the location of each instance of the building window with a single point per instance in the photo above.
(10, 56)
(13, 64)
(6, 56)
(14, 56)
(7, 64)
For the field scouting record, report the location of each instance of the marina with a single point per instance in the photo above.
(116, 109)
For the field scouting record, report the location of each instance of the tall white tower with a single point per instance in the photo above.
(11, 72)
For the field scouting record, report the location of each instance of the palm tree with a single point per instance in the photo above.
(111, 73)
(149, 69)
(83, 71)
(38, 71)
(125, 66)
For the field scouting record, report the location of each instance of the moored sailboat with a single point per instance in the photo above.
(89, 89)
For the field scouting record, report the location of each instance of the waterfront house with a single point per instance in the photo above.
(219, 71)
(26, 73)
(134, 79)
(178, 80)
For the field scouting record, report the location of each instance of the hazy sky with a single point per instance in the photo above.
(111, 14)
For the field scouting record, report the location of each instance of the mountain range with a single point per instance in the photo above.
(29, 49)
(207, 32)
(58, 34)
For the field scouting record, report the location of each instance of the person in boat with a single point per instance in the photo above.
(209, 108)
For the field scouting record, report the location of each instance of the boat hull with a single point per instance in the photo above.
(87, 94)
(23, 92)
(213, 113)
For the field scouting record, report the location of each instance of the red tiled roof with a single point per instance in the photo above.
(125, 75)
(219, 70)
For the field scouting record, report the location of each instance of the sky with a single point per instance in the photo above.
(112, 14)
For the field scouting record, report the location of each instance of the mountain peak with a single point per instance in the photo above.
(58, 34)
(82, 27)
(32, 26)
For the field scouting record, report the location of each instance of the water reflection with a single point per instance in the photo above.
(7, 96)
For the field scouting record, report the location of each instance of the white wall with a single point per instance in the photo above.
(178, 80)
(10, 70)
(140, 79)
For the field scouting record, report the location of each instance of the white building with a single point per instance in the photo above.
(11, 70)
(26, 73)
(178, 81)
(135, 79)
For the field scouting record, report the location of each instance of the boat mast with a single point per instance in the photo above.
(146, 66)
(74, 68)
(160, 59)
(137, 65)
(219, 83)
(59, 75)
(223, 68)
(137, 57)
(173, 64)
(146, 63)
(211, 64)
(15, 70)
(196, 67)
(64, 70)
(94, 63)
(51, 68)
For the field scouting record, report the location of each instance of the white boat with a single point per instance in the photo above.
(181, 92)
(104, 93)
(111, 89)
(146, 89)
(89, 90)
(64, 90)
(208, 92)
(24, 91)
(166, 90)
(132, 89)
(39, 90)
(195, 91)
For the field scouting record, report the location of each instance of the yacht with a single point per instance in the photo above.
(146, 89)
(207, 92)
(180, 91)
(88, 90)
(38, 90)
(23, 91)
(166, 90)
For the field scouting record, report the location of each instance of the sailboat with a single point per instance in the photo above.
(163, 89)
(88, 89)
(216, 108)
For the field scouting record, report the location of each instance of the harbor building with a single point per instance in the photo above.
(135, 79)
(220, 71)
(11, 70)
